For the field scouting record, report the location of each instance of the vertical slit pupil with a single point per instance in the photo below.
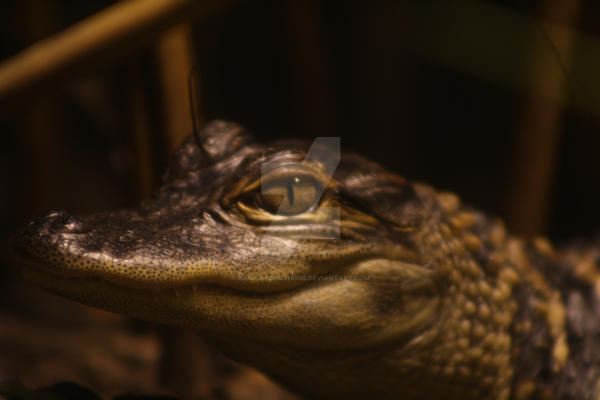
(290, 190)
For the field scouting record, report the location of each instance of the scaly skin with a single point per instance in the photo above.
(378, 288)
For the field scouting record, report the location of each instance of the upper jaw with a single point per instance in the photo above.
(184, 252)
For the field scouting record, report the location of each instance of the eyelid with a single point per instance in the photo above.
(270, 173)
(286, 171)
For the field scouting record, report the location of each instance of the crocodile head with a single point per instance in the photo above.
(331, 274)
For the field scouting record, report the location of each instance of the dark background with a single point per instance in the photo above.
(434, 91)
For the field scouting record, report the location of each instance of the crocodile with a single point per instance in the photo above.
(334, 276)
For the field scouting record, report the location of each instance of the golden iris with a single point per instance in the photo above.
(289, 196)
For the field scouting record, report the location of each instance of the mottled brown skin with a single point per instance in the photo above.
(376, 288)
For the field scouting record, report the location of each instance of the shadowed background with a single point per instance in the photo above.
(497, 101)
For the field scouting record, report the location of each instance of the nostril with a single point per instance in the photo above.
(73, 225)
(45, 232)
(61, 221)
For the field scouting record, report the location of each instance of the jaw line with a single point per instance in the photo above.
(47, 279)
(44, 267)
(196, 275)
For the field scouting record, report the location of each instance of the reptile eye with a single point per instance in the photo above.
(289, 196)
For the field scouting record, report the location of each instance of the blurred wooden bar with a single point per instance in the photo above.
(175, 62)
(538, 135)
(185, 365)
(141, 136)
(116, 30)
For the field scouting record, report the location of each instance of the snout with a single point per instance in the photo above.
(36, 239)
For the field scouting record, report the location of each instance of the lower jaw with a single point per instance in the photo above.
(219, 311)
(149, 305)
